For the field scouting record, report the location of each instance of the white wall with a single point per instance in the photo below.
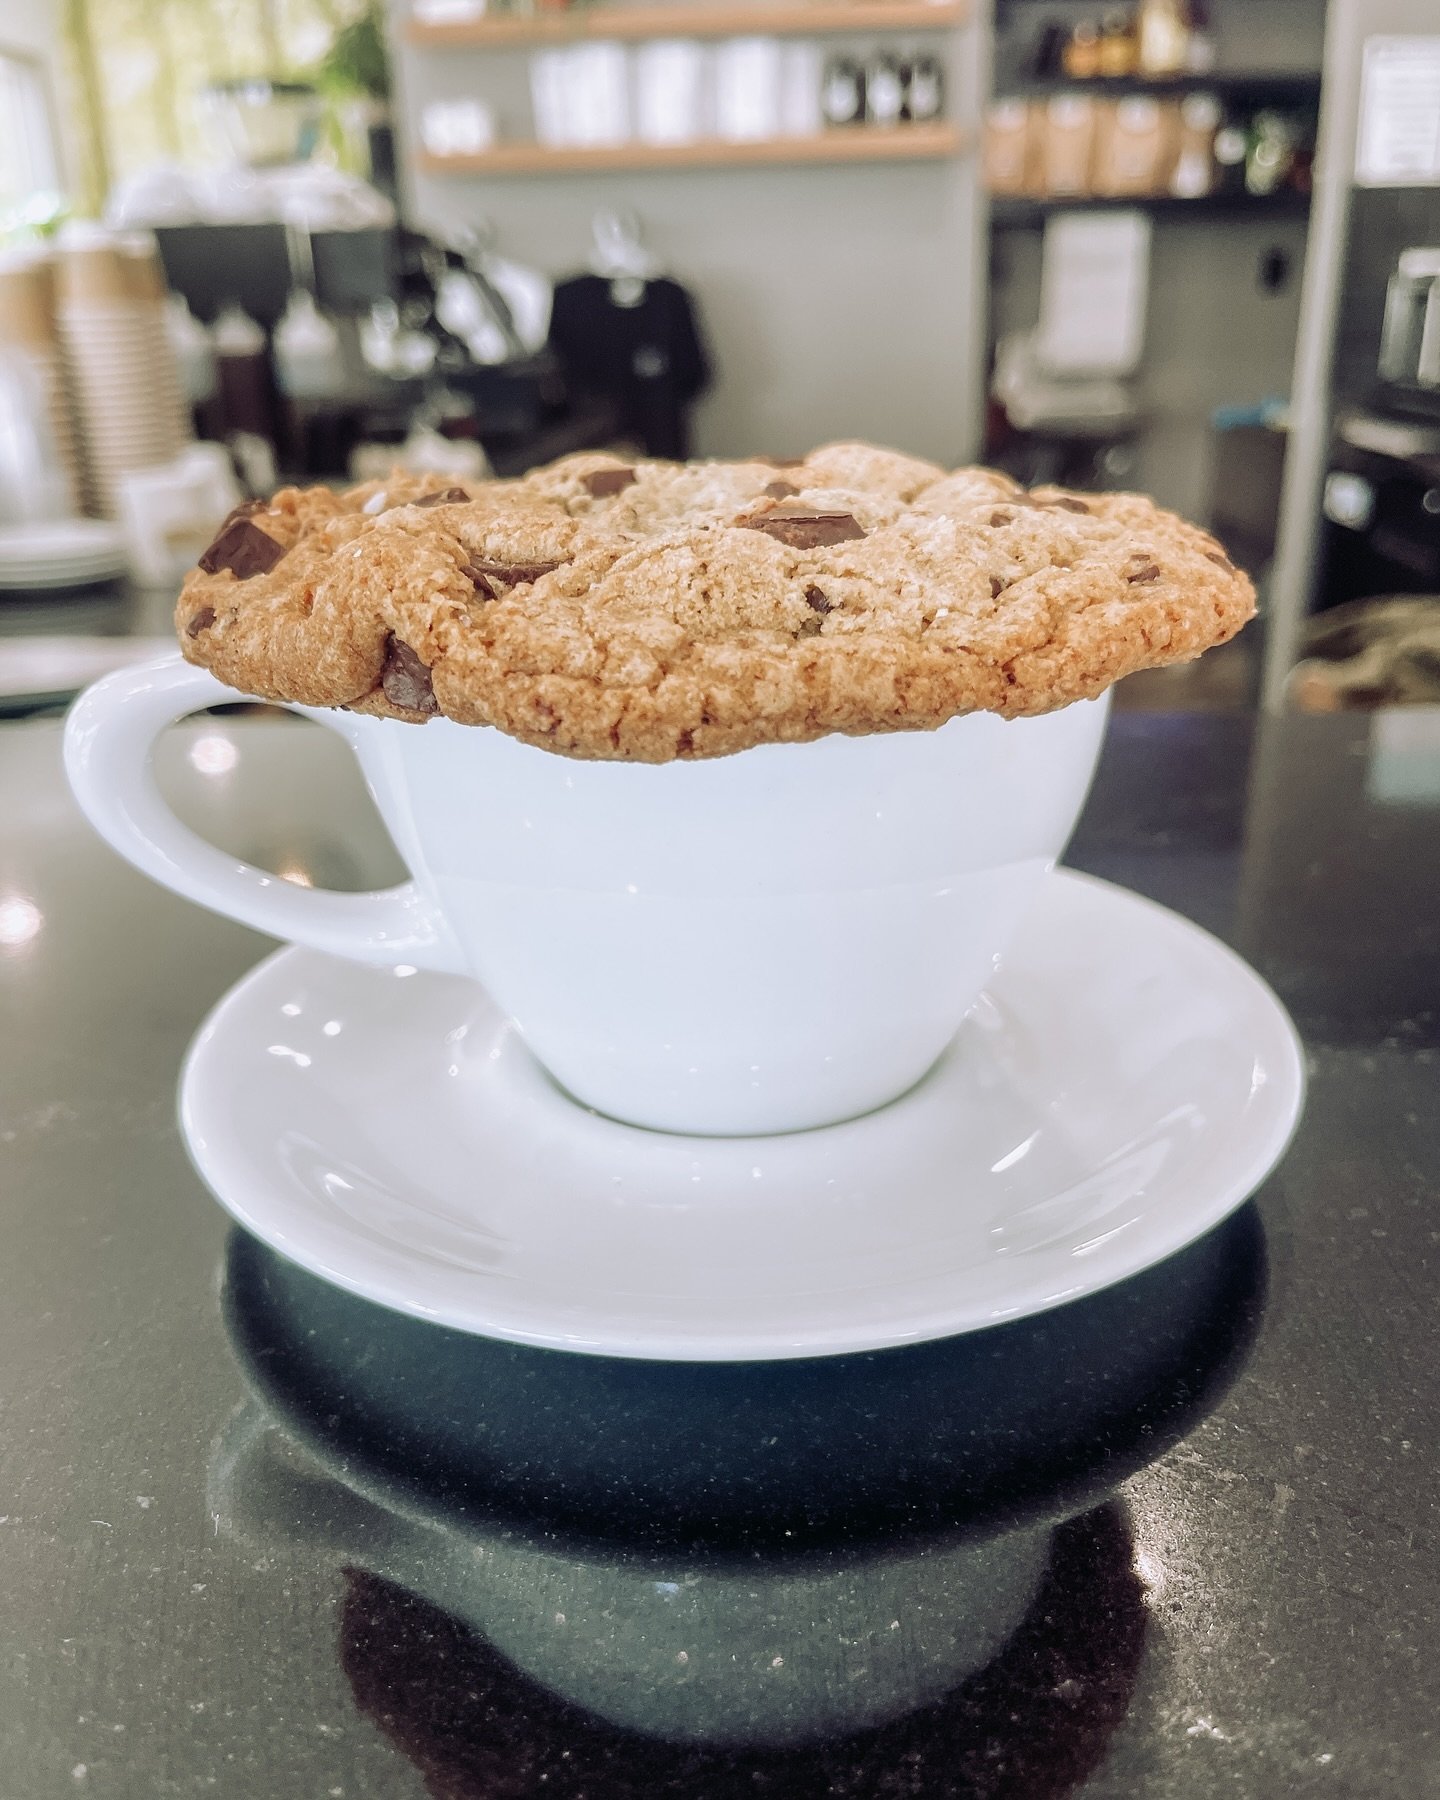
(840, 301)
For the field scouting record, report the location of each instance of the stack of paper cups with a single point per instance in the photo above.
(28, 331)
(119, 360)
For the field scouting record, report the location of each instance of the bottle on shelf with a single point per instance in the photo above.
(884, 90)
(1011, 147)
(242, 363)
(1133, 146)
(1270, 153)
(1080, 58)
(1193, 176)
(1164, 37)
(1119, 47)
(1231, 143)
(1201, 53)
(842, 93)
(1067, 145)
(924, 80)
(1047, 59)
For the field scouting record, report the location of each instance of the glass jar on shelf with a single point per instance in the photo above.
(1118, 49)
(1080, 59)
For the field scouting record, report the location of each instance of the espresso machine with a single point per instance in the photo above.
(1382, 487)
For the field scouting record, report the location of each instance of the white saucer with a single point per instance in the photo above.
(1125, 1084)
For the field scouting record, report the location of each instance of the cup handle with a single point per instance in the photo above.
(109, 739)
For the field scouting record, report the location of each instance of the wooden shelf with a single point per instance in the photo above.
(1020, 210)
(673, 18)
(905, 143)
(1280, 87)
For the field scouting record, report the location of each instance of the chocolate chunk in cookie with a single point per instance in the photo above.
(202, 621)
(482, 582)
(1147, 572)
(803, 529)
(451, 496)
(490, 577)
(406, 680)
(242, 548)
(600, 484)
(780, 490)
(818, 600)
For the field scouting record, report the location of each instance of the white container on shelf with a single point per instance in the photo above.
(747, 89)
(670, 91)
(597, 94)
(192, 349)
(457, 127)
(549, 98)
(802, 71)
(448, 12)
(309, 360)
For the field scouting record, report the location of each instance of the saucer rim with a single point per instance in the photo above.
(1288, 1080)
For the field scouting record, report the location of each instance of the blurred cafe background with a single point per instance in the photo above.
(1190, 247)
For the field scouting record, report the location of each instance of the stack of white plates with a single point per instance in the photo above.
(64, 553)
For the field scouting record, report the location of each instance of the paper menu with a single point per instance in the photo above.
(1094, 286)
(1398, 142)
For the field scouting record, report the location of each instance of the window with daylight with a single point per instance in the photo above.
(28, 163)
(138, 69)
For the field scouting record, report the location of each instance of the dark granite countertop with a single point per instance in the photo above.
(1180, 1539)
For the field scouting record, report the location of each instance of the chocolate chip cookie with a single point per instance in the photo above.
(646, 611)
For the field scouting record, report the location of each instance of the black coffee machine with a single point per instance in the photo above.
(1382, 489)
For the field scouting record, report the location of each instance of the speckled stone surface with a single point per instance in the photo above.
(1177, 1541)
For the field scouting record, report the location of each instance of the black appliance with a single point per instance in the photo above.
(1382, 489)
(213, 265)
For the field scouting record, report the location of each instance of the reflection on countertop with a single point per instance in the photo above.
(546, 1555)
(1032, 1724)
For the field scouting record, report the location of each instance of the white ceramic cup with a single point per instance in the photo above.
(758, 943)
